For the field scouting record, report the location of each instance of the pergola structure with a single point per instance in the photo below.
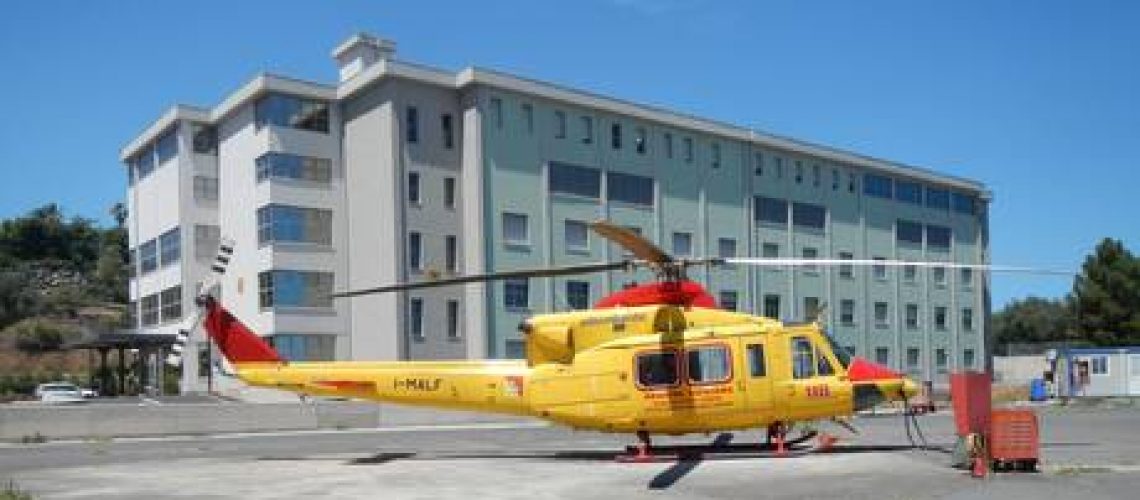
(148, 351)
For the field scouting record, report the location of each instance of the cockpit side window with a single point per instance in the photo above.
(657, 369)
(803, 358)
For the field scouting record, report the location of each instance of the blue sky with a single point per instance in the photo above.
(1039, 100)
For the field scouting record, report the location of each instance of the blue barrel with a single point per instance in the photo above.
(1037, 390)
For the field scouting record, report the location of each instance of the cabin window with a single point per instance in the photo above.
(708, 364)
(803, 361)
(657, 369)
(756, 360)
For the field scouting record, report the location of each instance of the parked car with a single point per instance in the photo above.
(59, 392)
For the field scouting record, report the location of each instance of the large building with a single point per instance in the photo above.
(402, 172)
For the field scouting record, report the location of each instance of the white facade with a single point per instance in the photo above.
(423, 163)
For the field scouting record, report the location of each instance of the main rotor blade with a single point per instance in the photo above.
(793, 262)
(635, 243)
(473, 278)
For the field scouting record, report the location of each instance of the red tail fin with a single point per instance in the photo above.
(237, 342)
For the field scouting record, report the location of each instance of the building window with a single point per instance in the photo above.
(166, 147)
(629, 188)
(640, 141)
(1099, 365)
(577, 236)
(940, 317)
(715, 155)
(657, 369)
(815, 176)
(937, 198)
(834, 179)
(937, 237)
(913, 357)
(284, 223)
(963, 204)
(682, 244)
(449, 192)
(528, 117)
(811, 309)
(497, 112)
(756, 365)
(451, 253)
(149, 311)
(907, 232)
(771, 210)
(772, 306)
(587, 130)
(810, 253)
(912, 316)
(206, 240)
(847, 312)
(615, 136)
(940, 360)
(171, 300)
(415, 251)
(938, 275)
(288, 288)
(908, 192)
(725, 248)
(574, 180)
(770, 251)
(516, 293)
(883, 356)
(882, 313)
(447, 126)
(578, 294)
(516, 230)
(803, 358)
(274, 165)
(453, 319)
(967, 319)
(204, 139)
(878, 186)
(559, 124)
(205, 188)
(879, 271)
(414, 188)
(668, 145)
(806, 215)
(967, 277)
(779, 166)
(759, 164)
(708, 364)
(412, 125)
(846, 270)
(148, 256)
(728, 300)
(304, 347)
(851, 182)
(910, 273)
(170, 247)
(290, 111)
(416, 318)
(688, 143)
(968, 358)
(144, 162)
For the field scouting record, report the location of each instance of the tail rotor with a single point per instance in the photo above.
(208, 287)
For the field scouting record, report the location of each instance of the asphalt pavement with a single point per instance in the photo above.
(1088, 453)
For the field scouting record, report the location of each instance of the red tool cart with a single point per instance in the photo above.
(1014, 440)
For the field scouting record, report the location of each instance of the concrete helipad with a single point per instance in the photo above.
(1089, 455)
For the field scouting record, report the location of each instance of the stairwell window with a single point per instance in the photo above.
(453, 319)
(516, 229)
(516, 294)
(412, 125)
(615, 136)
(416, 318)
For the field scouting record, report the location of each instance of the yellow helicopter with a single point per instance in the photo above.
(655, 359)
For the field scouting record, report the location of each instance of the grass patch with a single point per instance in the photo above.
(12, 491)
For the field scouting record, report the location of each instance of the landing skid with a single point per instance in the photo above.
(721, 449)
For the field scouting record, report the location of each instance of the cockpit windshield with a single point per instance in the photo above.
(841, 354)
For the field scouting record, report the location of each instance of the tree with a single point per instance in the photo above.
(17, 299)
(1034, 319)
(1107, 295)
(37, 336)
